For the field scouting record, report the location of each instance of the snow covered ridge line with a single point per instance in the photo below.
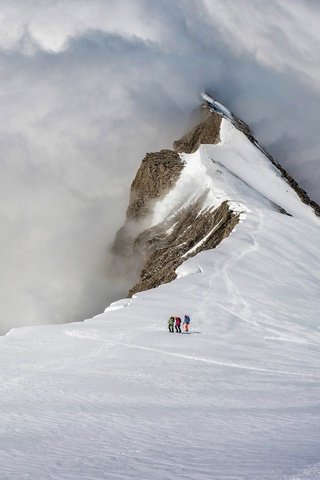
(187, 200)
(112, 396)
(173, 212)
(218, 108)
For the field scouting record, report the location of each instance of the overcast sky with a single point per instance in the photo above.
(89, 86)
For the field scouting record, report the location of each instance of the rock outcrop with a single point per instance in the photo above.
(156, 176)
(207, 131)
(191, 231)
(153, 252)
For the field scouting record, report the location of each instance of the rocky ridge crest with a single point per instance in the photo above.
(154, 252)
(151, 252)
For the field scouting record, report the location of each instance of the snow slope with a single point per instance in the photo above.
(118, 397)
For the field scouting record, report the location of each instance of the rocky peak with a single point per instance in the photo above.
(156, 176)
(207, 131)
(153, 246)
(153, 251)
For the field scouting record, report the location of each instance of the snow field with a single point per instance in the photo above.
(118, 397)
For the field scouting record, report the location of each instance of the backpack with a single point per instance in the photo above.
(186, 319)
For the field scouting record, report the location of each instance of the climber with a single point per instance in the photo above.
(171, 324)
(177, 325)
(186, 323)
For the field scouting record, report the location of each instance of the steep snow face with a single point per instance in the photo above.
(118, 397)
(233, 170)
(247, 163)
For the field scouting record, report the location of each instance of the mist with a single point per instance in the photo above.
(87, 88)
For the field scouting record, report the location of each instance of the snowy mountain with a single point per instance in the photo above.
(181, 204)
(119, 397)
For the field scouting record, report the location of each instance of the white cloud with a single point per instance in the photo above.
(277, 33)
(53, 23)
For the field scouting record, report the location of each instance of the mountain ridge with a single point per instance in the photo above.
(117, 396)
(154, 250)
(215, 106)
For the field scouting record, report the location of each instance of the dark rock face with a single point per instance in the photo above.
(193, 231)
(156, 176)
(206, 132)
(153, 253)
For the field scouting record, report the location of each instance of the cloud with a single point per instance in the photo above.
(90, 87)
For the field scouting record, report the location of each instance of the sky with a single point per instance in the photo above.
(88, 87)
